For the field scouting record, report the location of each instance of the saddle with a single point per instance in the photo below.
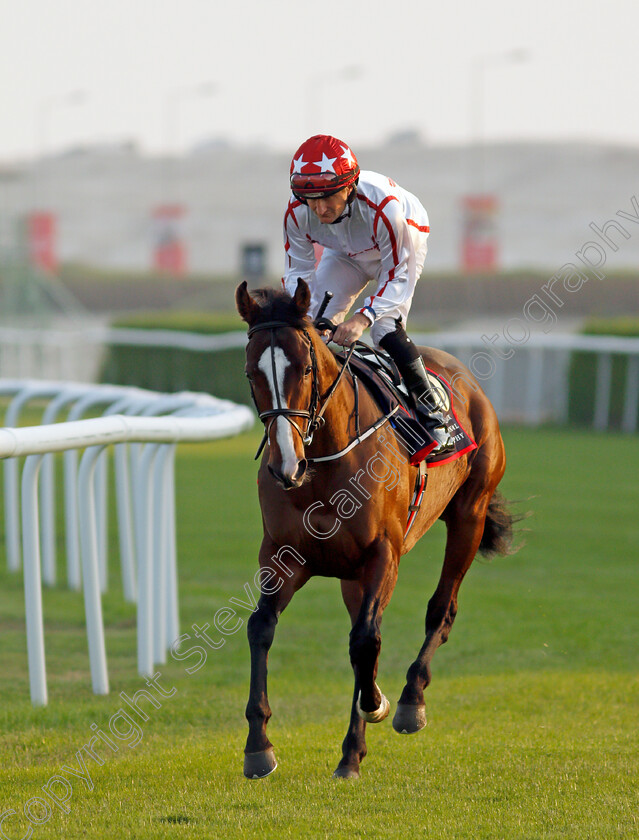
(379, 374)
(376, 370)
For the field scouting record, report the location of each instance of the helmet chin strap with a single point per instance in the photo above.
(349, 205)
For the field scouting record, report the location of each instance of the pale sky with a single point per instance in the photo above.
(283, 69)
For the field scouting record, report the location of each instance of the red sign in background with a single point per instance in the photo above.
(480, 248)
(41, 230)
(169, 252)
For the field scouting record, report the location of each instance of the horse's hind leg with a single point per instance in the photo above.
(464, 519)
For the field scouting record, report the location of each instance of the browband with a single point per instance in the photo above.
(269, 325)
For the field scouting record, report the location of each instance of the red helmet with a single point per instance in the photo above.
(322, 165)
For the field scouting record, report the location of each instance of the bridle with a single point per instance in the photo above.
(272, 414)
(313, 413)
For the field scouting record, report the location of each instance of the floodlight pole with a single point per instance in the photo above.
(479, 67)
(316, 87)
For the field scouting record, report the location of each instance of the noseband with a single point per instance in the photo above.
(314, 420)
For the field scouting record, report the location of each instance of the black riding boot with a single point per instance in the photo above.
(411, 366)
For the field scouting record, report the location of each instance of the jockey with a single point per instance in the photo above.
(370, 229)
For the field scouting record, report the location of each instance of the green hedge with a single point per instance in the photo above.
(207, 323)
(161, 369)
(222, 373)
(583, 372)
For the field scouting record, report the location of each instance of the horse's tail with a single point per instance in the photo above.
(498, 528)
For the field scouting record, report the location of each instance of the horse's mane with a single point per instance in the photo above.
(278, 305)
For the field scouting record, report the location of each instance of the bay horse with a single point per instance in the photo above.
(328, 518)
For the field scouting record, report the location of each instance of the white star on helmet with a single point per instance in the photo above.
(299, 164)
(326, 163)
(348, 156)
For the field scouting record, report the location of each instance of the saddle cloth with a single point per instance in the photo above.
(379, 374)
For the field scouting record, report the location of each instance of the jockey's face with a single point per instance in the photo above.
(329, 208)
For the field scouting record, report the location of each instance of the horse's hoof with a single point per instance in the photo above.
(376, 716)
(259, 764)
(346, 773)
(409, 719)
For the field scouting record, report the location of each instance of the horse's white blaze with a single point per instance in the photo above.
(284, 431)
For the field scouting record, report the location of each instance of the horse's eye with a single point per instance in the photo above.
(308, 369)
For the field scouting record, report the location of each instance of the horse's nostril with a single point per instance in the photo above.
(298, 476)
(280, 477)
(289, 481)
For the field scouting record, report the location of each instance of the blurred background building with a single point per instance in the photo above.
(112, 207)
(517, 132)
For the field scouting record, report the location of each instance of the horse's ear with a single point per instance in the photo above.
(246, 306)
(302, 297)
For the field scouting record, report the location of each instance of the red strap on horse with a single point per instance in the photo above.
(418, 495)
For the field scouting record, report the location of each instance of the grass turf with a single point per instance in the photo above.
(533, 709)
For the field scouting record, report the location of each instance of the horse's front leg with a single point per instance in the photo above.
(259, 757)
(354, 744)
(364, 647)
(366, 600)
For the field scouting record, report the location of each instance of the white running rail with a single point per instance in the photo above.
(529, 383)
(146, 506)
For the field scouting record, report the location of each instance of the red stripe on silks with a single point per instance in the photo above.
(381, 292)
(289, 212)
(424, 452)
(370, 203)
(379, 215)
(380, 208)
(391, 234)
(423, 228)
